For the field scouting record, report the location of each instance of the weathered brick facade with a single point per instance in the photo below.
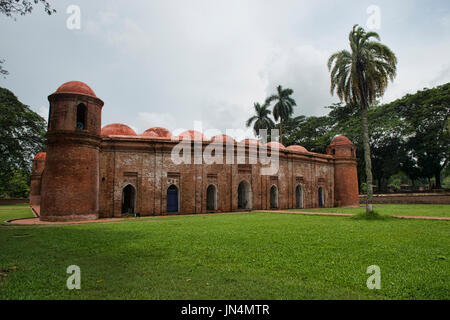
(89, 172)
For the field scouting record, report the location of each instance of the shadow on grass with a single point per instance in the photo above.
(372, 216)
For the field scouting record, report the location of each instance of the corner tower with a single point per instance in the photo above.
(70, 181)
(345, 172)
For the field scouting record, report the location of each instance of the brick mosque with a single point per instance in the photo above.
(90, 172)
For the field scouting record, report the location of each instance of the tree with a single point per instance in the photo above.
(284, 106)
(359, 77)
(22, 133)
(261, 119)
(12, 8)
(426, 124)
(313, 133)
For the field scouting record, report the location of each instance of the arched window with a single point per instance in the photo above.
(172, 199)
(274, 197)
(244, 195)
(81, 117)
(128, 199)
(299, 197)
(211, 198)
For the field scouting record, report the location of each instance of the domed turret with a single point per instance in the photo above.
(345, 172)
(70, 181)
(76, 87)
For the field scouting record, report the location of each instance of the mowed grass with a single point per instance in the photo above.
(15, 211)
(426, 210)
(234, 256)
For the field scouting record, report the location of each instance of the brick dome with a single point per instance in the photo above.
(157, 132)
(297, 148)
(77, 87)
(118, 129)
(192, 135)
(223, 138)
(340, 141)
(250, 141)
(40, 156)
(275, 144)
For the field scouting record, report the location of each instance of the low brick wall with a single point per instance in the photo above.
(410, 198)
(13, 201)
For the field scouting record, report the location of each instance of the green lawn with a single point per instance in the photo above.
(15, 211)
(236, 256)
(430, 210)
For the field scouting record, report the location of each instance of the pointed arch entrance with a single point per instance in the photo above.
(244, 195)
(273, 197)
(211, 198)
(128, 199)
(299, 197)
(321, 200)
(172, 199)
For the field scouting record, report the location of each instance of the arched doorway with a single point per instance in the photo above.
(128, 199)
(172, 199)
(211, 198)
(244, 195)
(274, 197)
(321, 201)
(299, 197)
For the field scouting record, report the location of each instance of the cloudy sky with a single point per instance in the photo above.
(172, 62)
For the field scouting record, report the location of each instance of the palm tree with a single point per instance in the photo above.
(284, 106)
(360, 77)
(261, 119)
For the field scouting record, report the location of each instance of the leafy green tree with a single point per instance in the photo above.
(313, 133)
(284, 106)
(359, 77)
(22, 133)
(426, 122)
(261, 119)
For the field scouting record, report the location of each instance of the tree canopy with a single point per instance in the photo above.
(22, 133)
(410, 135)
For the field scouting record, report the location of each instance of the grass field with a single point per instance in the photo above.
(235, 256)
(426, 210)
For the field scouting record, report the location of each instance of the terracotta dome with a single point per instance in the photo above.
(250, 141)
(40, 156)
(118, 129)
(340, 140)
(157, 132)
(77, 87)
(192, 135)
(297, 148)
(223, 138)
(275, 144)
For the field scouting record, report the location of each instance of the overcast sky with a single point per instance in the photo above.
(172, 62)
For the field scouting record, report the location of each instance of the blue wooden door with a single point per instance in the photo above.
(172, 199)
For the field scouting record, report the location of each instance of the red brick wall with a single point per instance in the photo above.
(416, 198)
(12, 201)
(147, 166)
